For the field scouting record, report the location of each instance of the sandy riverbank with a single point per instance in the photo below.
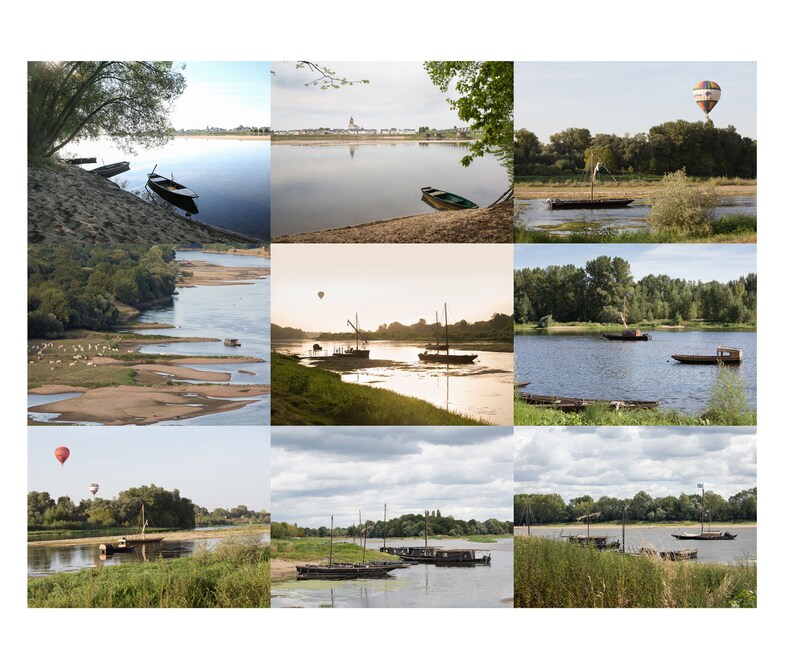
(483, 225)
(144, 405)
(205, 273)
(637, 190)
(358, 140)
(283, 569)
(225, 137)
(69, 204)
(173, 536)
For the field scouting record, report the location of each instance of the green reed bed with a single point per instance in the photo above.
(236, 573)
(313, 396)
(551, 573)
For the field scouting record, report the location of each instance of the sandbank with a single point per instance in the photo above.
(639, 190)
(204, 273)
(483, 225)
(69, 204)
(172, 536)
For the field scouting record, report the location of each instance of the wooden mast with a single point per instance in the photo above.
(384, 526)
(331, 551)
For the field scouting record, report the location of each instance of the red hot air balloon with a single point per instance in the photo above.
(62, 454)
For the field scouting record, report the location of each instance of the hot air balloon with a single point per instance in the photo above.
(93, 488)
(321, 294)
(62, 454)
(706, 94)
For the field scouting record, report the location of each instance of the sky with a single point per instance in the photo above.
(223, 94)
(399, 95)
(387, 283)
(629, 97)
(465, 472)
(702, 262)
(621, 461)
(215, 467)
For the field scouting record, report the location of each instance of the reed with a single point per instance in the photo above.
(551, 573)
(235, 574)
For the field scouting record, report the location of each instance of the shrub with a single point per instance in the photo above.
(682, 206)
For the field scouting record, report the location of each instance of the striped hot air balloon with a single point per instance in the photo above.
(706, 94)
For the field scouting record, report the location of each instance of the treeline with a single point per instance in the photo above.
(79, 286)
(596, 293)
(164, 509)
(498, 327)
(552, 509)
(279, 332)
(405, 526)
(700, 148)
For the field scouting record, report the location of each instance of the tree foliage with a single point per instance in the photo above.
(683, 206)
(127, 101)
(485, 101)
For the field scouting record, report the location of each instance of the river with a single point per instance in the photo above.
(231, 177)
(535, 214)
(741, 550)
(575, 364)
(422, 585)
(482, 390)
(318, 187)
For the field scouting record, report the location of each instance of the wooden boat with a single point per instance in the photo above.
(439, 353)
(109, 170)
(172, 191)
(82, 160)
(628, 335)
(461, 557)
(705, 533)
(575, 404)
(599, 542)
(231, 341)
(341, 571)
(120, 547)
(142, 537)
(441, 200)
(670, 555)
(726, 355)
(350, 352)
(588, 203)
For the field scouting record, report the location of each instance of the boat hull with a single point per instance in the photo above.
(706, 360)
(173, 192)
(447, 359)
(441, 200)
(347, 571)
(112, 169)
(705, 536)
(645, 337)
(587, 204)
(575, 404)
(353, 353)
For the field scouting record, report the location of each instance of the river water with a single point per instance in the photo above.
(587, 365)
(318, 187)
(741, 550)
(231, 177)
(422, 585)
(535, 214)
(482, 390)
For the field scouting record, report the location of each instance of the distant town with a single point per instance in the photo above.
(241, 129)
(353, 129)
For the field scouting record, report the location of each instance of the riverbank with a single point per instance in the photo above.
(640, 189)
(312, 396)
(235, 573)
(206, 273)
(69, 204)
(146, 405)
(224, 137)
(579, 326)
(286, 553)
(550, 573)
(335, 139)
(482, 225)
(168, 536)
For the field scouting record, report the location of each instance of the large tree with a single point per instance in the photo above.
(485, 101)
(127, 101)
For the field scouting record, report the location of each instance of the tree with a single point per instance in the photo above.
(127, 101)
(326, 78)
(485, 101)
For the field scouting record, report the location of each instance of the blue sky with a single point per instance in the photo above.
(693, 262)
(224, 94)
(215, 467)
(629, 97)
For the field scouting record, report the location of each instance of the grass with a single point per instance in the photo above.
(235, 574)
(579, 326)
(313, 396)
(539, 416)
(316, 549)
(551, 573)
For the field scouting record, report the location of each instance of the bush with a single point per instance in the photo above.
(727, 400)
(682, 206)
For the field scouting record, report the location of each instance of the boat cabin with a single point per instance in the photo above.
(727, 353)
(229, 341)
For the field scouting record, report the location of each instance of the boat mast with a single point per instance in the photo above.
(384, 526)
(446, 330)
(426, 529)
(702, 507)
(331, 551)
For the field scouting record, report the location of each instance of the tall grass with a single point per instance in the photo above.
(551, 573)
(313, 396)
(235, 574)
(728, 400)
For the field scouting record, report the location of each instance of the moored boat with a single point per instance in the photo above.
(705, 533)
(599, 542)
(441, 200)
(574, 404)
(591, 202)
(231, 341)
(439, 353)
(350, 352)
(109, 170)
(142, 537)
(82, 160)
(629, 335)
(670, 555)
(726, 355)
(173, 192)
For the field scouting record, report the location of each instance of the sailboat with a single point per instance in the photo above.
(340, 571)
(588, 203)
(142, 537)
(599, 542)
(705, 534)
(350, 352)
(628, 334)
(439, 353)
